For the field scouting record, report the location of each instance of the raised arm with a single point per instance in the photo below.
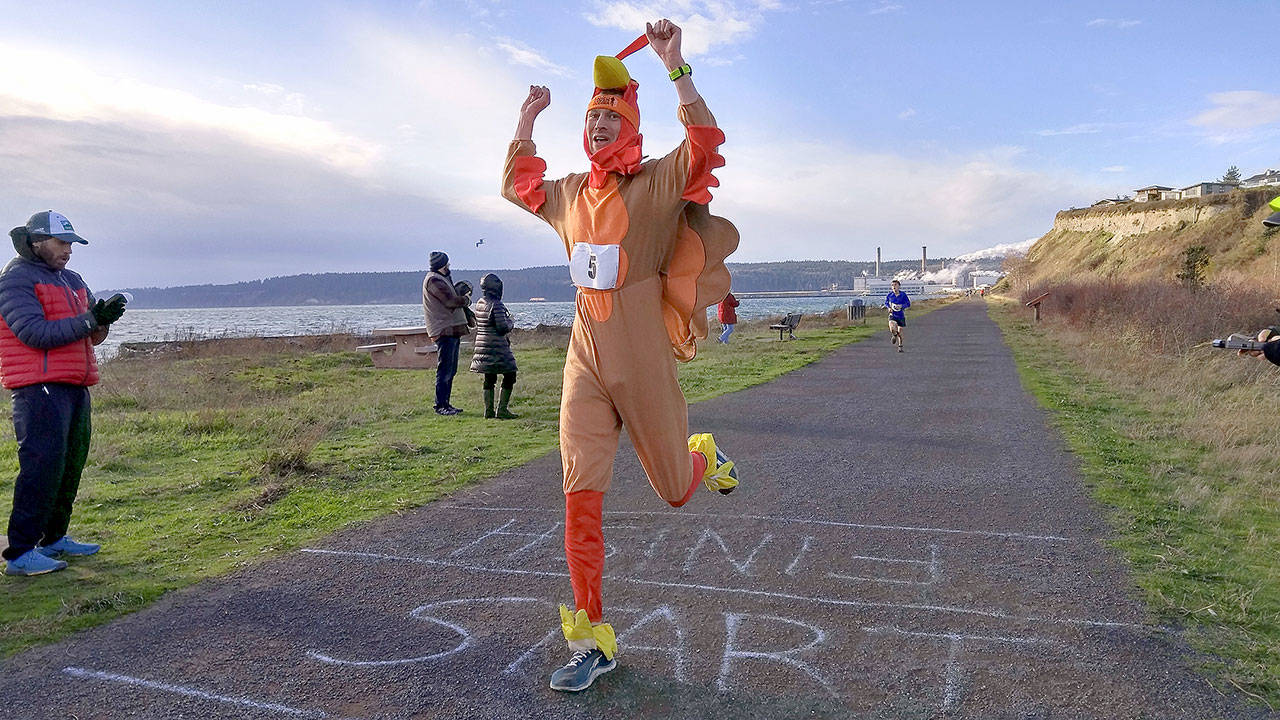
(522, 174)
(664, 38)
(685, 173)
(539, 99)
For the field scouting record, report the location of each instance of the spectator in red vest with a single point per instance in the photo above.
(728, 314)
(49, 323)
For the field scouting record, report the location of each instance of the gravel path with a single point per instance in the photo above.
(910, 541)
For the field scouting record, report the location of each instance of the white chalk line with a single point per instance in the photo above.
(995, 614)
(804, 548)
(192, 692)
(931, 564)
(771, 518)
(882, 629)
(887, 581)
(951, 687)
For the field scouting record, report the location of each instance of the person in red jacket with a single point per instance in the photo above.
(728, 313)
(49, 323)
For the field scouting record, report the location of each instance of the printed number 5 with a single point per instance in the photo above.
(591, 267)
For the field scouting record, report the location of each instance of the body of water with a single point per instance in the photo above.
(187, 323)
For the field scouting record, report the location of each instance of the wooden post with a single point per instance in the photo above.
(1035, 305)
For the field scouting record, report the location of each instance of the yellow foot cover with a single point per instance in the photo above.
(720, 475)
(582, 635)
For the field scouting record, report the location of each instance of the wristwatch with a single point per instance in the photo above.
(681, 72)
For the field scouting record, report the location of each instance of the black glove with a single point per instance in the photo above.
(108, 311)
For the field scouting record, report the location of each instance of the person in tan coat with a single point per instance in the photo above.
(444, 308)
(647, 258)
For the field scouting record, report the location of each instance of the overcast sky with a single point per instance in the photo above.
(212, 142)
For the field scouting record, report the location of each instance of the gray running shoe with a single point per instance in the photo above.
(582, 670)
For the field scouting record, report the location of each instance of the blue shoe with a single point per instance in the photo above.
(723, 462)
(32, 563)
(720, 475)
(67, 546)
(583, 669)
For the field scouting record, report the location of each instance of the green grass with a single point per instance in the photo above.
(1199, 528)
(205, 464)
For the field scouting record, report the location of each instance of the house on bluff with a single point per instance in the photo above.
(1270, 177)
(1208, 188)
(1152, 193)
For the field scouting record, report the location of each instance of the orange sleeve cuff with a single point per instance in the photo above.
(527, 181)
(703, 158)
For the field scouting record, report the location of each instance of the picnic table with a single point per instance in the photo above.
(406, 348)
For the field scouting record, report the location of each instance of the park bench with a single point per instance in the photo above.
(405, 348)
(788, 325)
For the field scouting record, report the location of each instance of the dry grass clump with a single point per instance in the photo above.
(1153, 338)
(1161, 317)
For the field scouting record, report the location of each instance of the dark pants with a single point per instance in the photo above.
(51, 422)
(446, 368)
(508, 380)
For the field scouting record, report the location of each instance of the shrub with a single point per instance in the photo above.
(1163, 317)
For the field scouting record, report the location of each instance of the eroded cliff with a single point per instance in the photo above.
(1150, 240)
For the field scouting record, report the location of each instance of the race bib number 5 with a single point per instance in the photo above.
(594, 266)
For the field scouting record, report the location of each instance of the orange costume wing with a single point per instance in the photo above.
(696, 277)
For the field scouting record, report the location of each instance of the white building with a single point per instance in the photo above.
(1270, 177)
(985, 277)
(882, 287)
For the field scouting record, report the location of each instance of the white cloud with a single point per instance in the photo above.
(464, 111)
(1118, 23)
(885, 7)
(46, 84)
(165, 208)
(1240, 110)
(909, 112)
(704, 24)
(1080, 129)
(522, 54)
(252, 192)
(796, 200)
(290, 103)
(1115, 169)
(1240, 116)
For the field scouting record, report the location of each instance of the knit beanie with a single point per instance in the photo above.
(438, 260)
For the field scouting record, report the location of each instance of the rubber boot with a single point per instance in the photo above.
(503, 412)
(488, 402)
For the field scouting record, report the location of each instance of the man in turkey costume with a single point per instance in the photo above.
(647, 258)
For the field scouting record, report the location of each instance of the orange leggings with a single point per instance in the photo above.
(584, 541)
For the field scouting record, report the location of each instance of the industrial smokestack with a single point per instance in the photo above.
(877, 262)
(924, 258)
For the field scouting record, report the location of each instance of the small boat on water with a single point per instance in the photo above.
(537, 299)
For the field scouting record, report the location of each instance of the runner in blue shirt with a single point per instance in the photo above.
(897, 301)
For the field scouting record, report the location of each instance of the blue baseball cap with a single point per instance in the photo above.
(54, 225)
